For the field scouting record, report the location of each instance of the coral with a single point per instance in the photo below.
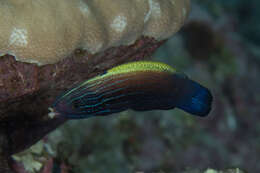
(45, 32)
(30, 159)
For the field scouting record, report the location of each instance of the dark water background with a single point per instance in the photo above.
(218, 47)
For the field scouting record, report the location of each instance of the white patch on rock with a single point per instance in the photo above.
(119, 23)
(155, 8)
(18, 37)
(83, 7)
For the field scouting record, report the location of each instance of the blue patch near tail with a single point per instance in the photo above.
(196, 99)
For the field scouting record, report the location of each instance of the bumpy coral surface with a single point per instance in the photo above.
(46, 31)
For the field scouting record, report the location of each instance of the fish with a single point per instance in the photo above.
(140, 86)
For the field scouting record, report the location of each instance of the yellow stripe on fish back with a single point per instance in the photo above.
(141, 66)
(137, 66)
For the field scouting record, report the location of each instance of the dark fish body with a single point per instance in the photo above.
(139, 86)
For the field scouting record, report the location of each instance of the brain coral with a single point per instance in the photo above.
(47, 31)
